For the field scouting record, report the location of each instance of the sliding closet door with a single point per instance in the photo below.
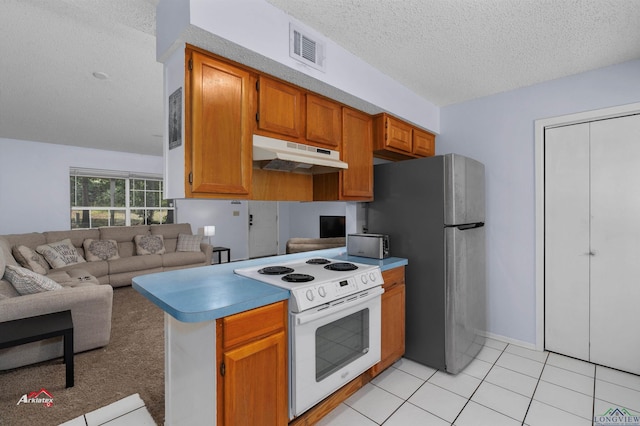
(567, 240)
(615, 242)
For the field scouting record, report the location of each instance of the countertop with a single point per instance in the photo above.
(211, 292)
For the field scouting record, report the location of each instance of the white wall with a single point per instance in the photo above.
(227, 26)
(499, 131)
(232, 231)
(34, 181)
(304, 218)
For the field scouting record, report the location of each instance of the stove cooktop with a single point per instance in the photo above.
(316, 281)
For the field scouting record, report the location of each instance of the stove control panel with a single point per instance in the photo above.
(311, 295)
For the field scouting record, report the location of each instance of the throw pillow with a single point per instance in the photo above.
(149, 244)
(188, 242)
(61, 253)
(96, 250)
(29, 259)
(26, 281)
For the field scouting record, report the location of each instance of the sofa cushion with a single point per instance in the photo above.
(61, 253)
(170, 233)
(7, 291)
(28, 282)
(5, 254)
(124, 236)
(3, 262)
(149, 244)
(135, 264)
(28, 258)
(77, 237)
(95, 250)
(189, 242)
(183, 258)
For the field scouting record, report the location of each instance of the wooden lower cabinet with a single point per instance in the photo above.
(393, 319)
(252, 387)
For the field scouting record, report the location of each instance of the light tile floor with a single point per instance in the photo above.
(129, 411)
(504, 385)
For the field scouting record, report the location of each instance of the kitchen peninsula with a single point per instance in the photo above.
(193, 299)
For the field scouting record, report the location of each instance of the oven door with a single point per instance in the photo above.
(331, 345)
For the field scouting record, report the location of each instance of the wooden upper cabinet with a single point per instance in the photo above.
(218, 146)
(424, 143)
(356, 183)
(323, 121)
(397, 134)
(280, 109)
(395, 139)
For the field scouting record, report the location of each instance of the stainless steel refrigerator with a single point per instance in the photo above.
(433, 210)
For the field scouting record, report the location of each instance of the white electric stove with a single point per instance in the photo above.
(316, 281)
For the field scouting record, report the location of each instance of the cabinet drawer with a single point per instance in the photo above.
(249, 325)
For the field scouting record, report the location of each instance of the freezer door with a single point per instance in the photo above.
(463, 190)
(465, 295)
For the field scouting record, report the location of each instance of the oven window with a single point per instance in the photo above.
(340, 342)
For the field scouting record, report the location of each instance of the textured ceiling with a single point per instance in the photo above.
(450, 51)
(447, 51)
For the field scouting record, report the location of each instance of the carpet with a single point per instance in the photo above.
(132, 362)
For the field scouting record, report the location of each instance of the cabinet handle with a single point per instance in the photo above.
(223, 369)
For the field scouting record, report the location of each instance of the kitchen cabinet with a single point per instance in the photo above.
(324, 121)
(218, 141)
(252, 386)
(396, 140)
(280, 110)
(393, 319)
(424, 143)
(356, 182)
(591, 241)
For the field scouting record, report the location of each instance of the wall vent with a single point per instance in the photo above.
(303, 48)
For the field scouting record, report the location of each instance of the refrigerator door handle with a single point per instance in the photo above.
(470, 226)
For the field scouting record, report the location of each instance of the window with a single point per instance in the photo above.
(106, 198)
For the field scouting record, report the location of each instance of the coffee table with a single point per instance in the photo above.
(32, 329)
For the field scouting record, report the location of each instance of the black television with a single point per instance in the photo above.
(332, 226)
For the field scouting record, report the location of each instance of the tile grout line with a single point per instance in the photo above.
(535, 389)
(476, 389)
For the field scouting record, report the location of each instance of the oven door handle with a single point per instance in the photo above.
(308, 317)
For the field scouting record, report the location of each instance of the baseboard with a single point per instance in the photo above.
(511, 341)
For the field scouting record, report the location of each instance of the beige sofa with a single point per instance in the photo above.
(128, 264)
(85, 285)
(297, 245)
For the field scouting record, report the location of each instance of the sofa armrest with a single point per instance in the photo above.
(90, 307)
(207, 249)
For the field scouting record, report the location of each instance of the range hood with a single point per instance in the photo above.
(286, 156)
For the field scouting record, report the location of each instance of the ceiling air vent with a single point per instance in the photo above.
(305, 49)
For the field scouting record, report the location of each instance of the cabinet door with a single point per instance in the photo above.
(323, 121)
(393, 320)
(220, 128)
(356, 183)
(280, 108)
(424, 143)
(615, 232)
(255, 389)
(398, 135)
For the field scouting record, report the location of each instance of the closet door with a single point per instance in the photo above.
(615, 243)
(567, 240)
